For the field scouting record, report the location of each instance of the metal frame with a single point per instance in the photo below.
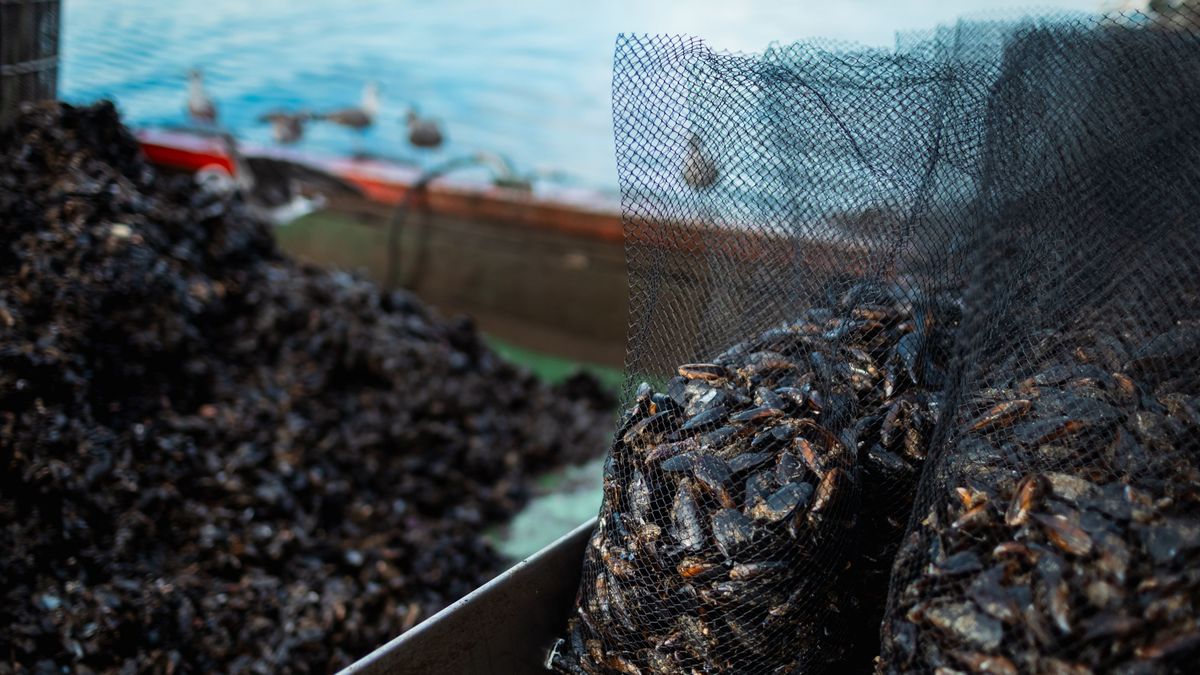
(508, 625)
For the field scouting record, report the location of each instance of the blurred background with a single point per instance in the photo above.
(529, 80)
(485, 158)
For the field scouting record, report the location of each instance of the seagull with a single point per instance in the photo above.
(699, 169)
(276, 190)
(286, 127)
(357, 118)
(423, 132)
(200, 106)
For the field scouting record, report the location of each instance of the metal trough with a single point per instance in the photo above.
(508, 625)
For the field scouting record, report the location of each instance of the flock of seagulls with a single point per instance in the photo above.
(281, 190)
(288, 126)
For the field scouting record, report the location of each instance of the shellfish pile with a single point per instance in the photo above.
(739, 497)
(1068, 536)
(215, 459)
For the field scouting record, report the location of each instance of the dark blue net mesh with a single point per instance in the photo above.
(919, 334)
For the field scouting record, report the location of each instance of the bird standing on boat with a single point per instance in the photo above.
(274, 189)
(200, 106)
(286, 127)
(699, 169)
(423, 132)
(358, 118)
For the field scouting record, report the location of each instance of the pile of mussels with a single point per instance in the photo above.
(739, 502)
(1062, 533)
(213, 459)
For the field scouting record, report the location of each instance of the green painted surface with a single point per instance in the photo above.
(565, 497)
(552, 368)
(574, 497)
(336, 240)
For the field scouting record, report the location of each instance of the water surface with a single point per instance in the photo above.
(527, 79)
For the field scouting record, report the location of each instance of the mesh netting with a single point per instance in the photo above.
(913, 356)
(1057, 529)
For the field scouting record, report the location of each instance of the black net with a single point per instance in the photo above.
(1057, 529)
(912, 356)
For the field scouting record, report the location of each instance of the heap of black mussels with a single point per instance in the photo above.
(1063, 531)
(213, 458)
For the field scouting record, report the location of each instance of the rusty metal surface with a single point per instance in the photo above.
(508, 625)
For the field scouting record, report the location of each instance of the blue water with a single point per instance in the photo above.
(527, 79)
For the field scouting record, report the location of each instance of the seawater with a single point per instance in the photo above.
(528, 79)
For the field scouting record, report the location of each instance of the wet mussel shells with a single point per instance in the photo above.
(216, 459)
(735, 500)
(1065, 535)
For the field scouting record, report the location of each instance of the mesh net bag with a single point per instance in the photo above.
(793, 346)
(878, 297)
(1057, 528)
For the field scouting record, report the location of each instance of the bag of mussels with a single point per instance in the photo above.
(913, 358)
(1057, 528)
(792, 323)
